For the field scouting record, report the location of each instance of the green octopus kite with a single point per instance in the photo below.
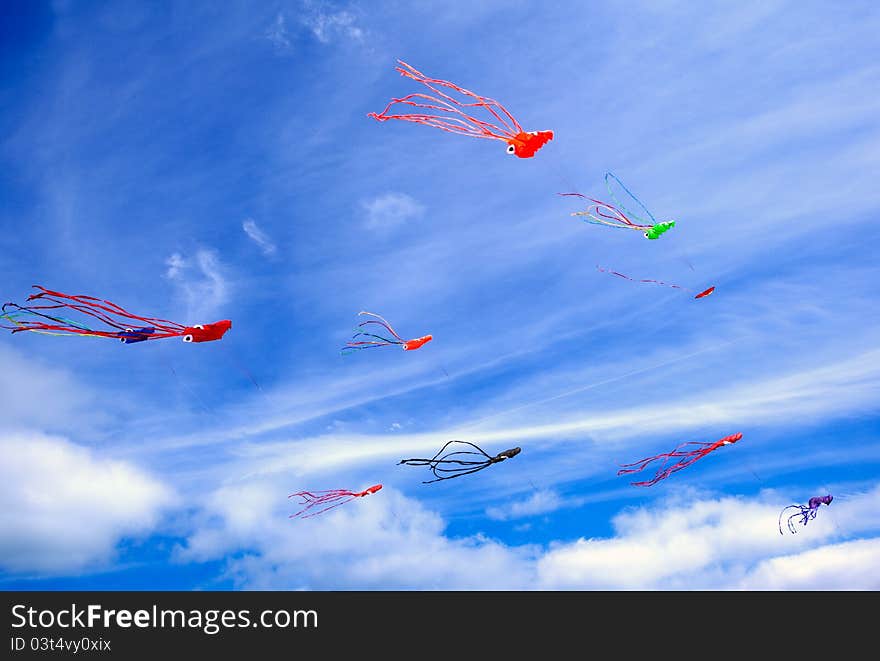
(602, 213)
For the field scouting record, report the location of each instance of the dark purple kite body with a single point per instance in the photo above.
(804, 512)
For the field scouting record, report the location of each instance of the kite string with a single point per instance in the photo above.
(190, 391)
(232, 359)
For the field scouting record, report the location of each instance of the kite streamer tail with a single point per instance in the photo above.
(702, 294)
(509, 125)
(381, 321)
(644, 280)
(608, 177)
(309, 500)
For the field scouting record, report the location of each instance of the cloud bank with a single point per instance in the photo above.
(70, 509)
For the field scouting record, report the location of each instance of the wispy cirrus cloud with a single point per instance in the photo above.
(259, 237)
(327, 26)
(539, 502)
(278, 34)
(200, 281)
(388, 211)
(318, 20)
(829, 391)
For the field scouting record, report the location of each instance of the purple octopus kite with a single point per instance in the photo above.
(807, 511)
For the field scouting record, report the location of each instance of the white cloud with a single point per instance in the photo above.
(325, 26)
(705, 544)
(540, 502)
(328, 26)
(175, 264)
(388, 541)
(68, 508)
(258, 236)
(384, 541)
(200, 282)
(27, 386)
(277, 34)
(388, 211)
(848, 566)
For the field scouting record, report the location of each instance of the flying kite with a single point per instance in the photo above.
(113, 321)
(332, 498)
(685, 459)
(444, 111)
(445, 467)
(363, 331)
(603, 213)
(702, 294)
(805, 512)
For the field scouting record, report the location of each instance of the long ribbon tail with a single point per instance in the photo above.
(643, 280)
(381, 322)
(603, 213)
(666, 455)
(314, 499)
(446, 111)
(685, 459)
(100, 305)
(48, 320)
(441, 461)
(609, 175)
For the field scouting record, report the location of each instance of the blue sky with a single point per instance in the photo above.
(200, 163)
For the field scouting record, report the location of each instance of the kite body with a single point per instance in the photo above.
(412, 345)
(526, 145)
(206, 332)
(804, 512)
(658, 229)
(448, 107)
(447, 465)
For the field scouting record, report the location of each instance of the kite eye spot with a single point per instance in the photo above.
(199, 326)
(188, 337)
(646, 235)
(511, 149)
